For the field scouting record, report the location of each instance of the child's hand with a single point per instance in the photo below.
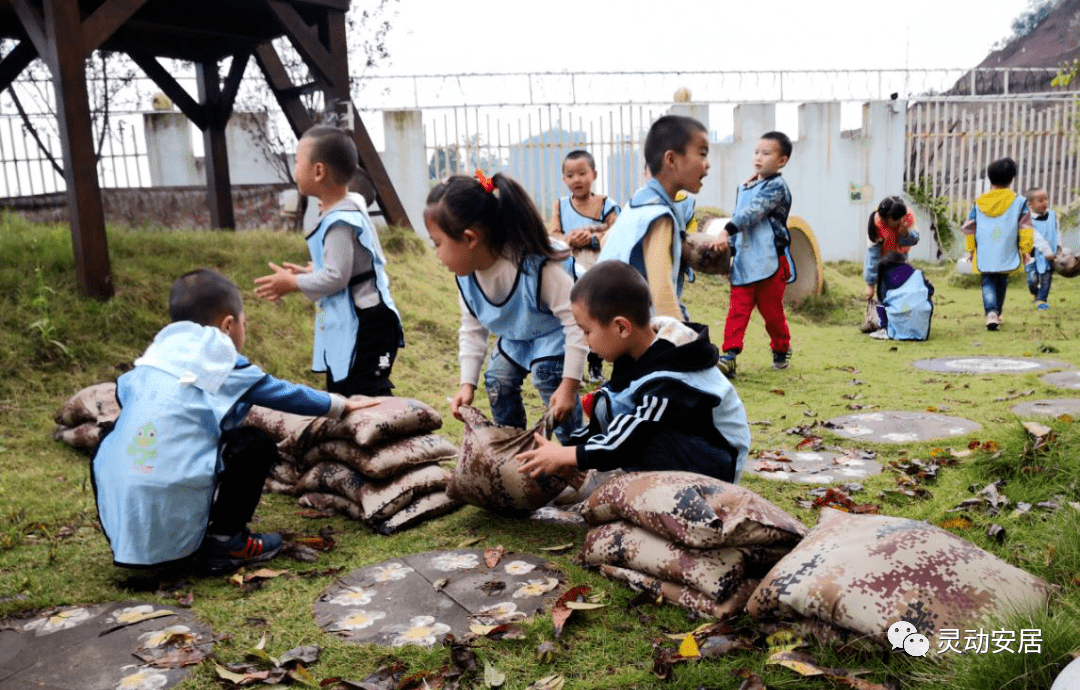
(869, 292)
(297, 269)
(722, 240)
(563, 400)
(359, 402)
(579, 238)
(464, 397)
(547, 458)
(276, 285)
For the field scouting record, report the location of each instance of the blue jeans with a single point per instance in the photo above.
(1038, 283)
(503, 381)
(993, 291)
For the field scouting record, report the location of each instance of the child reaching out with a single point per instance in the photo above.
(1040, 267)
(666, 407)
(891, 228)
(357, 327)
(512, 283)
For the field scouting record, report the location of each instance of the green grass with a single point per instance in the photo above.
(54, 342)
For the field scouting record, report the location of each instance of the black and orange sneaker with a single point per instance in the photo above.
(217, 557)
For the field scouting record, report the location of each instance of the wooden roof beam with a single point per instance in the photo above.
(106, 19)
(15, 62)
(165, 81)
(34, 26)
(305, 39)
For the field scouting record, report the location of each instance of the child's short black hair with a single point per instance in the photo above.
(669, 133)
(783, 140)
(1001, 172)
(892, 207)
(614, 288)
(334, 148)
(578, 154)
(205, 297)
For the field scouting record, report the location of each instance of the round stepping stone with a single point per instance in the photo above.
(102, 647)
(814, 468)
(1048, 408)
(418, 599)
(1063, 379)
(901, 427)
(988, 364)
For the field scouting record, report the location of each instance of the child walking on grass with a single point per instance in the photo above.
(1039, 265)
(512, 283)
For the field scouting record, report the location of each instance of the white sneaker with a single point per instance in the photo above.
(992, 320)
(880, 334)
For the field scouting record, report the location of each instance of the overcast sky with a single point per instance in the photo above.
(451, 36)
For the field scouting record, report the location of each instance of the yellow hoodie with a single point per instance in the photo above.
(994, 203)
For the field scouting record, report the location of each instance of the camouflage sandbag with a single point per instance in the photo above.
(383, 462)
(84, 437)
(715, 572)
(681, 595)
(284, 477)
(423, 508)
(332, 503)
(380, 500)
(1066, 264)
(96, 403)
(332, 478)
(392, 418)
(487, 475)
(703, 258)
(866, 572)
(693, 510)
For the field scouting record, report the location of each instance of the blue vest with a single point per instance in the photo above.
(336, 322)
(626, 236)
(154, 474)
(997, 237)
(1049, 230)
(755, 250)
(908, 309)
(729, 415)
(527, 329)
(570, 219)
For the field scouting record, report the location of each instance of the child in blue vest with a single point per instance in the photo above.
(761, 266)
(581, 220)
(513, 283)
(649, 232)
(997, 233)
(666, 406)
(357, 327)
(1040, 265)
(904, 308)
(178, 477)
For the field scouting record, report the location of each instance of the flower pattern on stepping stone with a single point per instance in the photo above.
(354, 596)
(499, 613)
(61, 620)
(391, 571)
(144, 679)
(534, 588)
(455, 561)
(421, 630)
(157, 638)
(519, 567)
(356, 619)
(130, 614)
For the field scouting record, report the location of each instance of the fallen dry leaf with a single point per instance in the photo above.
(558, 548)
(470, 542)
(560, 612)
(493, 555)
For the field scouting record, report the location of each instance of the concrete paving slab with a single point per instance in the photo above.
(418, 599)
(813, 468)
(988, 364)
(84, 647)
(1048, 408)
(1063, 379)
(901, 427)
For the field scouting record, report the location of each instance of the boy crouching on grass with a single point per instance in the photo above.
(666, 406)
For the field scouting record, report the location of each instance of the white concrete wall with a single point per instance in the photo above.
(406, 162)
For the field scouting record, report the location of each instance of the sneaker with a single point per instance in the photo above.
(726, 364)
(1042, 306)
(992, 321)
(780, 359)
(218, 557)
(880, 334)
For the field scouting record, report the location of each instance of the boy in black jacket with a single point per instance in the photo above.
(666, 407)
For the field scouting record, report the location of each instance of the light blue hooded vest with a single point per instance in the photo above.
(336, 322)
(908, 309)
(154, 474)
(570, 219)
(1048, 229)
(755, 247)
(729, 415)
(626, 236)
(996, 238)
(527, 329)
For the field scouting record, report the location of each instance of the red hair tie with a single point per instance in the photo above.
(486, 182)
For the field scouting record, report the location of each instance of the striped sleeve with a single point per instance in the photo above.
(625, 436)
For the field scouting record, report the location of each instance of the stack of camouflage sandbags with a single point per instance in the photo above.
(378, 464)
(86, 416)
(698, 542)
